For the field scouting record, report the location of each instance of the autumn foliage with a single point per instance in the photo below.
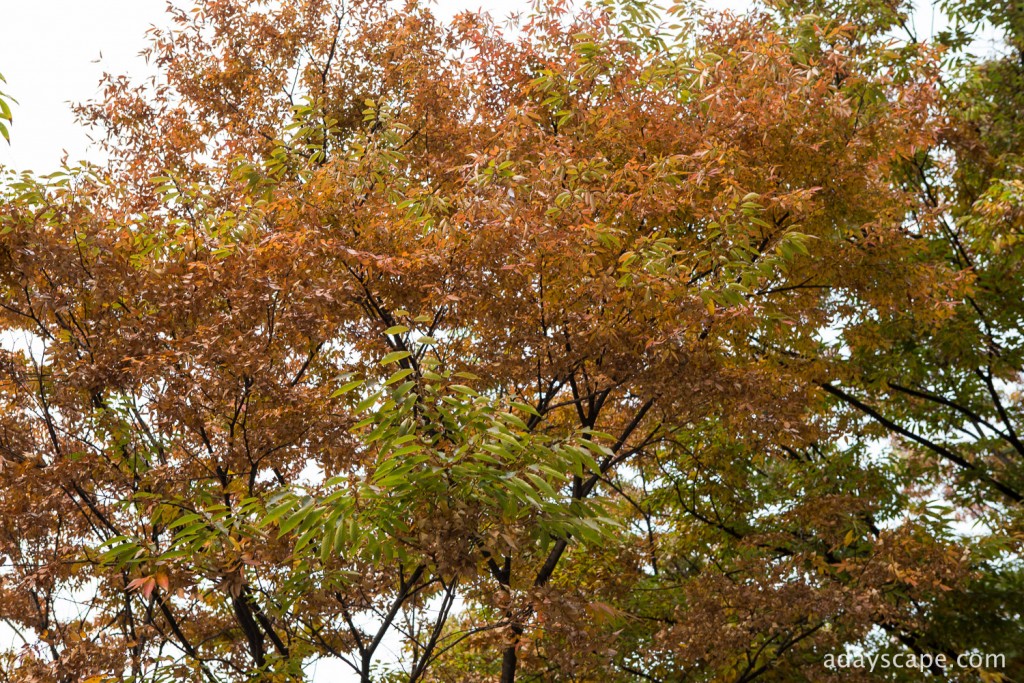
(613, 343)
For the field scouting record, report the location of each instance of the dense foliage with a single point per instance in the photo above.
(613, 343)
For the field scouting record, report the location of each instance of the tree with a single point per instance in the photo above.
(519, 347)
(947, 386)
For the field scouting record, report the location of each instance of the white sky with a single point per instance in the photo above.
(53, 52)
(50, 56)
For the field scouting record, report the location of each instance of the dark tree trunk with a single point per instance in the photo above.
(508, 665)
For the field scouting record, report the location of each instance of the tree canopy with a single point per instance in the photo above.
(615, 342)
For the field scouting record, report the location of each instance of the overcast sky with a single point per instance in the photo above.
(53, 52)
(50, 56)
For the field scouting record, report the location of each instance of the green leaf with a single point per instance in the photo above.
(275, 513)
(297, 518)
(183, 520)
(367, 402)
(406, 450)
(543, 486)
(394, 357)
(345, 388)
(306, 538)
(398, 376)
(526, 408)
